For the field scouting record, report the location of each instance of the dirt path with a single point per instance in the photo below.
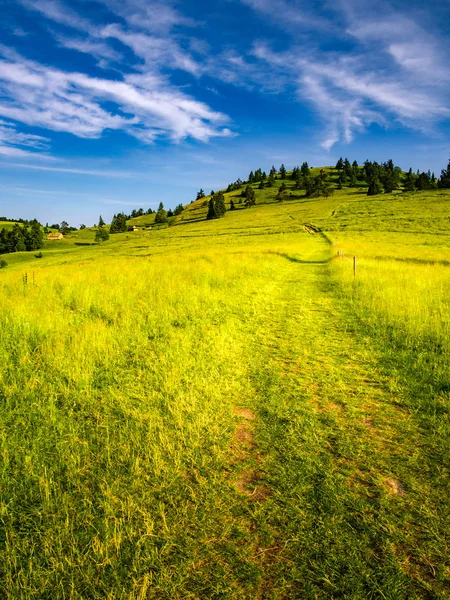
(337, 462)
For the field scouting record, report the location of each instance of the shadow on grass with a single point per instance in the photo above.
(84, 244)
(299, 260)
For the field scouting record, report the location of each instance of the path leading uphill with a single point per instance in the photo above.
(334, 466)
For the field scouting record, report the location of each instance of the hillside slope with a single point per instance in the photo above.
(220, 409)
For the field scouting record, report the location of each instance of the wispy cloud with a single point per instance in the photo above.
(76, 171)
(383, 77)
(13, 142)
(58, 12)
(145, 106)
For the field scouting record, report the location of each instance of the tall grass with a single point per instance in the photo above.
(122, 364)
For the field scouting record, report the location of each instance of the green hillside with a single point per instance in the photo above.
(225, 409)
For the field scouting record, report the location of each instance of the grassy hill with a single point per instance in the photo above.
(221, 409)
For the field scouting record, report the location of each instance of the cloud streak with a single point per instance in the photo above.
(383, 77)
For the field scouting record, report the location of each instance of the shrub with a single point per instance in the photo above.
(101, 235)
(3, 263)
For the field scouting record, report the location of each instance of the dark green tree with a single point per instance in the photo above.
(304, 169)
(444, 181)
(423, 182)
(271, 180)
(216, 206)
(409, 185)
(101, 222)
(375, 186)
(250, 196)
(200, 194)
(161, 214)
(347, 168)
(118, 223)
(340, 164)
(282, 172)
(64, 228)
(101, 235)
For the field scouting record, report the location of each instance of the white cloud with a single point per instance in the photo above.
(58, 12)
(98, 49)
(385, 77)
(145, 106)
(75, 171)
(13, 142)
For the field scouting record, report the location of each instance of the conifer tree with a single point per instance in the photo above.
(409, 181)
(444, 181)
(212, 213)
(216, 206)
(250, 197)
(161, 214)
(340, 164)
(282, 172)
(271, 180)
(304, 169)
(375, 186)
(101, 222)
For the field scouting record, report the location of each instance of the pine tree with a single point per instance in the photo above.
(34, 238)
(64, 227)
(232, 206)
(375, 186)
(250, 197)
(347, 168)
(200, 194)
(118, 223)
(409, 182)
(220, 204)
(261, 185)
(250, 177)
(161, 214)
(423, 182)
(101, 222)
(212, 213)
(271, 180)
(282, 195)
(282, 172)
(304, 169)
(444, 181)
(340, 164)
(216, 206)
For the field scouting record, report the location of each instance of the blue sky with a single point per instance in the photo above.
(118, 104)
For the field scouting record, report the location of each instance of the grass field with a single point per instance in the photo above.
(221, 410)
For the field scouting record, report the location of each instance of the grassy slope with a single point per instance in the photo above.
(131, 470)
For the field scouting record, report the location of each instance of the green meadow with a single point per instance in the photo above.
(224, 409)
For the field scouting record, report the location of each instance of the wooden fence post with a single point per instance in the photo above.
(354, 267)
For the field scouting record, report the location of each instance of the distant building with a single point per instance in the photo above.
(55, 236)
(132, 228)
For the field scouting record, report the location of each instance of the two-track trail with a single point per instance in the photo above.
(332, 466)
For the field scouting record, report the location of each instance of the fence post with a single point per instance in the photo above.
(354, 267)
